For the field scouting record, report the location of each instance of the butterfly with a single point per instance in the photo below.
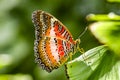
(53, 43)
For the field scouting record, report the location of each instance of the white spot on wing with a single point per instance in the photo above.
(54, 50)
(52, 32)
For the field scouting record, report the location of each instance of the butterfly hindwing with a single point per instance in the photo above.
(53, 42)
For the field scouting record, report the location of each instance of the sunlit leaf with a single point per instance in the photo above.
(113, 1)
(100, 17)
(16, 77)
(108, 33)
(96, 64)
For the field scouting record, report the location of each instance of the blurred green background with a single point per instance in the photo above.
(17, 33)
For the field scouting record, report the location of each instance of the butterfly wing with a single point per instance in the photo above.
(53, 43)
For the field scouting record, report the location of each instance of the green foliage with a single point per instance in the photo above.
(17, 33)
(16, 77)
(96, 64)
(100, 63)
(82, 67)
(103, 17)
(108, 33)
(113, 1)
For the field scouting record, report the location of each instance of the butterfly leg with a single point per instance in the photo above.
(81, 50)
(70, 56)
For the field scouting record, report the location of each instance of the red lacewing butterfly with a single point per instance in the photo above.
(53, 44)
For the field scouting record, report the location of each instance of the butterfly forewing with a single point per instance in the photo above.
(53, 43)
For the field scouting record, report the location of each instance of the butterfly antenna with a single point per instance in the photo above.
(83, 32)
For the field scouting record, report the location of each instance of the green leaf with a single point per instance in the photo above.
(15, 77)
(108, 33)
(100, 17)
(113, 1)
(82, 67)
(96, 64)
